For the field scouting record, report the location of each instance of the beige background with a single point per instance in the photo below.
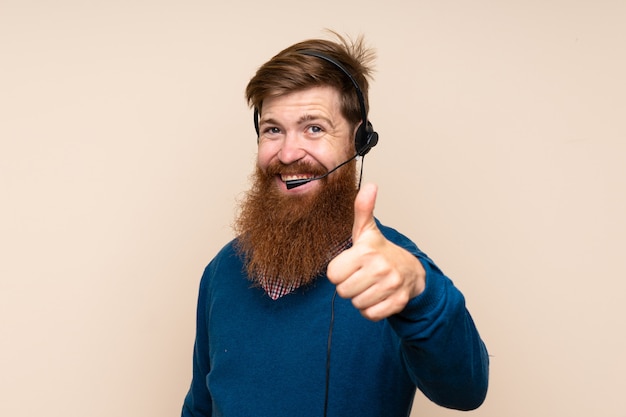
(126, 141)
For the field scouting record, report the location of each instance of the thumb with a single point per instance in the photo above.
(364, 210)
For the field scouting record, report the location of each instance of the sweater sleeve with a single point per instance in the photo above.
(441, 347)
(197, 403)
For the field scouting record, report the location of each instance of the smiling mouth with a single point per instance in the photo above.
(292, 177)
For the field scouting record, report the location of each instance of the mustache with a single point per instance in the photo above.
(298, 167)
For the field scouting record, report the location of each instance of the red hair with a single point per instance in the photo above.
(291, 71)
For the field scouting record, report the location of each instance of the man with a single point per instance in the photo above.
(272, 338)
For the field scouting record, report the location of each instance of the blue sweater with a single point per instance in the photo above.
(254, 356)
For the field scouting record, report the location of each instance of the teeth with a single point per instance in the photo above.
(293, 177)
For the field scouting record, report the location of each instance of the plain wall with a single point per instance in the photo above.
(125, 143)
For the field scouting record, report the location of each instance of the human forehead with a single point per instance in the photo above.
(324, 100)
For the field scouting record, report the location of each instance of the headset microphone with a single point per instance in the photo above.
(296, 183)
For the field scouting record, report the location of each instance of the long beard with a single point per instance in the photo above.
(290, 238)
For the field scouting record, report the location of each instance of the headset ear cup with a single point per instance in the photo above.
(256, 124)
(366, 138)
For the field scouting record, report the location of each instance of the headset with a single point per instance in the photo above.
(366, 137)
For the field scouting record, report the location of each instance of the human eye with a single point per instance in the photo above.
(271, 130)
(315, 129)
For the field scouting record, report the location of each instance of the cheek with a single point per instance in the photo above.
(334, 156)
(265, 154)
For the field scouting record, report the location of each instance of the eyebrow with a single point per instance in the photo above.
(310, 117)
(302, 120)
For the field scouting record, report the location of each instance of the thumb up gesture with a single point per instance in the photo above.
(378, 276)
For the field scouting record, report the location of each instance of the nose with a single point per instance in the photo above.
(291, 149)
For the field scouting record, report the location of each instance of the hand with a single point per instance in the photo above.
(378, 276)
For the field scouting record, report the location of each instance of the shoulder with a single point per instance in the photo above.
(406, 243)
(227, 260)
(398, 238)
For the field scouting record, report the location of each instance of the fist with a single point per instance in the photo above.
(377, 275)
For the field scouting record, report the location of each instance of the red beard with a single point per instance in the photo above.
(291, 238)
